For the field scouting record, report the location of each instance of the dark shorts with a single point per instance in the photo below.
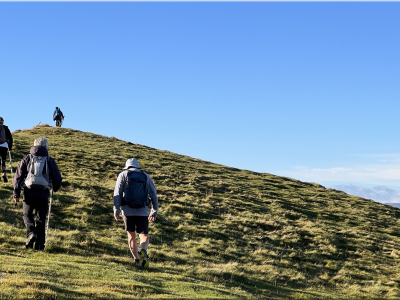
(139, 224)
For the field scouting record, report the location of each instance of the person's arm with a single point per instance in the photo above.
(20, 176)
(154, 199)
(9, 138)
(118, 193)
(55, 175)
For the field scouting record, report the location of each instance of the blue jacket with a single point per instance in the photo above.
(59, 112)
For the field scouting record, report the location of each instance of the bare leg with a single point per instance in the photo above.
(132, 244)
(144, 241)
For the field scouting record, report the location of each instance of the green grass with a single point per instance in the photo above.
(221, 232)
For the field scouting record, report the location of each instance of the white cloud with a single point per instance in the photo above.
(377, 193)
(374, 176)
(377, 174)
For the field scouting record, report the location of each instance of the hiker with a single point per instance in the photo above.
(6, 143)
(58, 116)
(131, 194)
(37, 174)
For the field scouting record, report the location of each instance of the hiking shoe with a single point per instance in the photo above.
(39, 247)
(31, 240)
(5, 178)
(137, 262)
(145, 259)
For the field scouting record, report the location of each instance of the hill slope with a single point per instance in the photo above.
(221, 232)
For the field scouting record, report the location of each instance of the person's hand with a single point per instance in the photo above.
(116, 217)
(152, 218)
(16, 200)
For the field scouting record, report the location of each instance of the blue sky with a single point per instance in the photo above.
(305, 90)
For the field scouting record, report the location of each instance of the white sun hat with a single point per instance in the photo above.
(132, 162)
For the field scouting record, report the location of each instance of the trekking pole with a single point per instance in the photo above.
(48, 218)
(12, 176)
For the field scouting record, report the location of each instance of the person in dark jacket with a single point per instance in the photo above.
(5, 145)
(58, 116)
(34, 198)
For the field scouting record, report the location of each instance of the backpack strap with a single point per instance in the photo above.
(126, 181)
(31, 164)
(47, 165)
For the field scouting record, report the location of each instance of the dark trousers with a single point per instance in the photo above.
(41, 207)
(3, 155)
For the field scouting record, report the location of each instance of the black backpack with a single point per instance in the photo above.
(3, 137)
(136, 190)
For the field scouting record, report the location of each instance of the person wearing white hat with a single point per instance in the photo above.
(131, 195)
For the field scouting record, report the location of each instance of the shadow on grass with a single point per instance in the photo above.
(263, 288)
(9, 213)
(61, 293)
(230, 280)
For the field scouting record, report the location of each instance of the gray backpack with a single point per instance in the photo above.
(38, 176)
(3, 137)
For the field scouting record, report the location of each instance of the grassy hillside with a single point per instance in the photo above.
(221, 232)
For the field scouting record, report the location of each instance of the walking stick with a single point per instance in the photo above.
(12, 176)
(48, 218)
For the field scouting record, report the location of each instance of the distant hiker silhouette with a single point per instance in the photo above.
(37, 174)
(6, 143)
(131, 194)
(58, 117)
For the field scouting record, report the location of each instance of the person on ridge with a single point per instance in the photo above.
(37, 174)
(58, 116)
(131, 194)
(6, 143)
